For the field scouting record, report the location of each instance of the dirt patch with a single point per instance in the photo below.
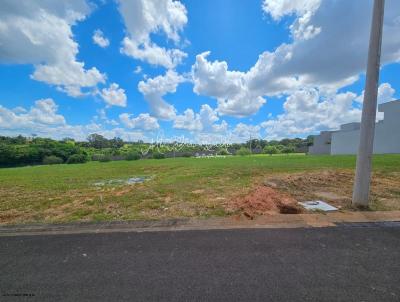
(123, 191)
(264, 200)
(280, 193)
(13, 215)
(200, 191)
(336, 187)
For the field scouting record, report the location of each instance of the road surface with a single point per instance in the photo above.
(344, 263)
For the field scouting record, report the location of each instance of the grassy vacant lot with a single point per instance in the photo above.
(181, 187)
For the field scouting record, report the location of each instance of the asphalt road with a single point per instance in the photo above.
(323, 264)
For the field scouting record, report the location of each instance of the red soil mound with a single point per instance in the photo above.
(264, 200)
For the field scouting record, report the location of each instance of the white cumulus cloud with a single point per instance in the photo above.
(154, 89)
(204, 121)
(279, 8)
(145, 17)
(138, 69)
(325, 55)
(99, 39)
(385, 94)
(143, 121)
(244, 132)
(228, 87)
(39, 33)
(114, 96)
(307, 111)
(42, 119)
(188, 121)
(43, 112)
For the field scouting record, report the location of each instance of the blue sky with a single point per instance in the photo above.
(210, 70)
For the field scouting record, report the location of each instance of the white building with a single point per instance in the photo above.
(346, 140)
(322, 143)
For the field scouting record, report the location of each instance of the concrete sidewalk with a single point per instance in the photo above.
(267, 221)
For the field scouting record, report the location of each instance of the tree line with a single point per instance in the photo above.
(20, 150)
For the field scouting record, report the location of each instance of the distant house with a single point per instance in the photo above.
(346, 140)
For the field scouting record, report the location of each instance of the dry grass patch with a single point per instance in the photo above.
(186, 187)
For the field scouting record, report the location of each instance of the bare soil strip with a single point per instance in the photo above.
(281, 193)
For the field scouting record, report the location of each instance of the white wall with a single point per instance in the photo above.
(322, 143)
(387, 134)
(345, 142)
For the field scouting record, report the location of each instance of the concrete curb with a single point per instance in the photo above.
(268, 221)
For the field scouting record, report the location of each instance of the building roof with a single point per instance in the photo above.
(350, 126)
(389, 106)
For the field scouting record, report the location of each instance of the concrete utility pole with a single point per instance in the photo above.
(364, 158)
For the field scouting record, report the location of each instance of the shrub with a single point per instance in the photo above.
(52, 160)
(134, 155)
(223, 152)
(77, 159)
(97, 157)
(105, 158)
(243, 151)
(158, 155)
(288, 149)
(271, 150)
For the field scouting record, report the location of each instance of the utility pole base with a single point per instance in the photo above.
(367, 130)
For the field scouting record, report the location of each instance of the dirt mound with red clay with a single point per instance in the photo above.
(264, 200)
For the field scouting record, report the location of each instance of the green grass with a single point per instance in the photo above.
(180, 187)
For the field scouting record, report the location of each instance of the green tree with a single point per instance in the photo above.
(98, 141)
(270, 150)
(310, 140)
(116, 143)
(288, 149)
(243, 151)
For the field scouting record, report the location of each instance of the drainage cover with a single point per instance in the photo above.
(317, 205)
